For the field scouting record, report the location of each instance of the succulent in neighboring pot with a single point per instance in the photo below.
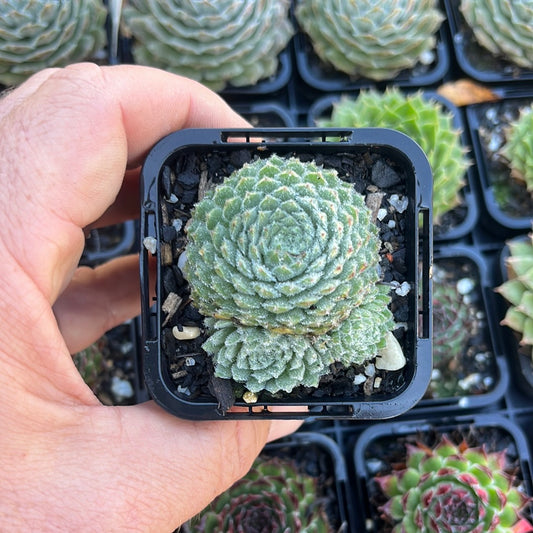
(284, 256)
(219, 42)
(518, 290)
(518, 148)
(37, 34)
(453, 488)
(503, 27)
(371, 39)
(422, 119)
(273, 496)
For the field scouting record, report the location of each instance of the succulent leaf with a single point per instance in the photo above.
(299, 253)
(422, 119)
(370, 39)
(214, 42)
(518, 147)
(504, 27)
(36, 34)
(518, 290)
(452, 488)
(274, 496)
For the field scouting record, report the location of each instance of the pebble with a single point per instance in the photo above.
(186, 333)
(177, 224)
(382, 213)
(358, 379)
(190, 361)
(121, 388)
(390, 357)
(370, 370)
(182, 260)
(403, 289)
(150, 243)
(465, 285)
(470, 381)
(249, 397)
(400, 204)
(377, 382)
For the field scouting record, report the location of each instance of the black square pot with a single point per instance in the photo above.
(486, 123)
(215, 154)
(460, 221)
(479, 372)
(381, 447)
(476, 61)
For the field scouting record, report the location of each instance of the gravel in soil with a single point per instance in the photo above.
(182, 181)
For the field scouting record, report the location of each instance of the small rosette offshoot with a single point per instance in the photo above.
(283, 255)
(453, 488)
(273, 496)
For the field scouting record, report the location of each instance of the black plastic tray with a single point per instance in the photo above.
(496, 220)
(316, 75)
(476, 61)
(322, 108)
(395, 146)
(508, 430)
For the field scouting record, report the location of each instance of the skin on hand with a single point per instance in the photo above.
(72, 143)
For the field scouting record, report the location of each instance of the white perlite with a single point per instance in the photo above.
(390, 357)
(150, 243)
(186, 333)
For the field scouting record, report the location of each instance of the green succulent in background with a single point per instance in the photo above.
(90, 364)
(518, 148)
(503, 27)
(452, 328)
(282, 244)
(273, 496)
(422, 119)
(218, 42)
(453, 488)
(283, 256)
(36, 34)
(364, 38)
(518, 290)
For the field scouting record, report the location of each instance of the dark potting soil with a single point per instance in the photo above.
(511, 195)
(452, 219)
(463, 360)
(386, 454)
(190, 367)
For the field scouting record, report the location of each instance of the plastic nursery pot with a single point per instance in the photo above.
(109, 366)
(507, 207)
(318, 75)
(461, 220)
(470, 373)
(266, 114)
(520, 361)
(179, 374)
(476, 61)
(382, 446)
(103, 244)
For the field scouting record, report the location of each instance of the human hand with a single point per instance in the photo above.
(72, 141)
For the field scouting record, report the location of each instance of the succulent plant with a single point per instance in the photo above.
(518, 290)
(453, 488)
(274, 496)
(214, 42)
(422, 119)
(370, 39)
(518, 148)
(452, 329)
(503, 27)
(278, 362)
(284, 245)
(90, 363)
(35, 34)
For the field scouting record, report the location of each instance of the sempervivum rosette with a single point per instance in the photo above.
(518, 148)
(284, 245)
(272, 497)
(35, 34)
(372, 39)
(504, 27)
(214, 42)
(453, 488)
